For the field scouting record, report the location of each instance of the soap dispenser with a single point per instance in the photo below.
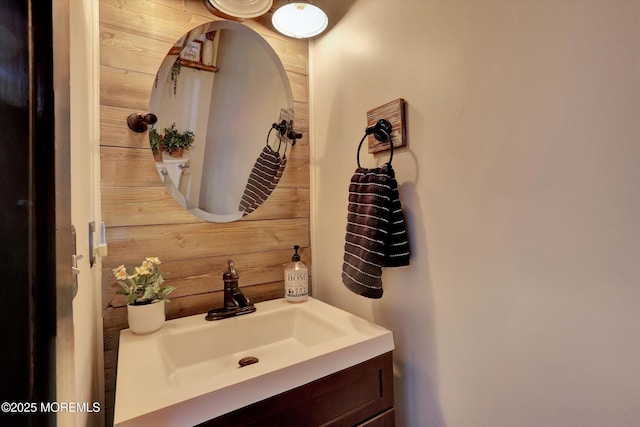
(296, 279)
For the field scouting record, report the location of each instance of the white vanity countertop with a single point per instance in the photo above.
(187, 372)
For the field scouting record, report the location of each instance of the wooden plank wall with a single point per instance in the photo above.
(142, 219)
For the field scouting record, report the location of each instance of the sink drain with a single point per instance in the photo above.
(249, 360)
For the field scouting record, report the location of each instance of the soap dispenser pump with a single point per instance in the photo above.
(296, 279)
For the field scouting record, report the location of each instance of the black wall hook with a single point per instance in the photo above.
(139, 123)
(286, 128)
(280, 127)
(381, 130)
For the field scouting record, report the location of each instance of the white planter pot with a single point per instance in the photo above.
(145, 319)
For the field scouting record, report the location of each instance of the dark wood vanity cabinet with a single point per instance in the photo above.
(361, 395)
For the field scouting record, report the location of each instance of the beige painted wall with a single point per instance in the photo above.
(521, 189)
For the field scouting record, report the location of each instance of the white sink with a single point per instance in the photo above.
(188, 371)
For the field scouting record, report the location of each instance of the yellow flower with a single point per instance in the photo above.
(120, 273)
(144, 283)
(141, 271)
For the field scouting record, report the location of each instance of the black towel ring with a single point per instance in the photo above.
(382, 132)
(268, 135)
(279, 140)
(286, 144)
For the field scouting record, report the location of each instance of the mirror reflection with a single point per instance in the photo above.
(216, 95)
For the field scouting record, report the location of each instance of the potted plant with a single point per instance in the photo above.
(145, 295)
(155, 140)
(177, 142)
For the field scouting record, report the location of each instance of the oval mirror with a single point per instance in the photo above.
(218, 92)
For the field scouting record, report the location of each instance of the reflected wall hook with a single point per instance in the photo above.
(280, 127)
(139, 123)
(293, 135)
(286, 128)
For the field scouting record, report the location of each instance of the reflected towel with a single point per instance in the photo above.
(272, 186)
(259, 184)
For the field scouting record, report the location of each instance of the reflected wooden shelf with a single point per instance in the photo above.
(197, 65)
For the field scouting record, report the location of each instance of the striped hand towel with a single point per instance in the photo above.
(376, 232)
(267, 192)
(260, 183)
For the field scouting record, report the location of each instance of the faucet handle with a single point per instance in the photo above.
(231, 274)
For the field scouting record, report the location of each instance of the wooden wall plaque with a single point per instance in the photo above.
(393, 111)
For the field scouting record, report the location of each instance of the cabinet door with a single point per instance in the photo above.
(386, 419)
(343, 399)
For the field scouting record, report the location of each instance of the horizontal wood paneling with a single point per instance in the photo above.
(122, 206)
(125, 88)
(114, 134)
(132, 89)
(149, 19)
(128, 167)
(301, 110)
(185, 241)
(294, 55)
(201, 275)
(299, 86)
(284, 202)
(143, 220)
(134, 167)
(121, 49)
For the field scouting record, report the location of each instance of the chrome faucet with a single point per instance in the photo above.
(235, 302)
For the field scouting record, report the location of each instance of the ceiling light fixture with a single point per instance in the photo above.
(300, 20)
(238, 9)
